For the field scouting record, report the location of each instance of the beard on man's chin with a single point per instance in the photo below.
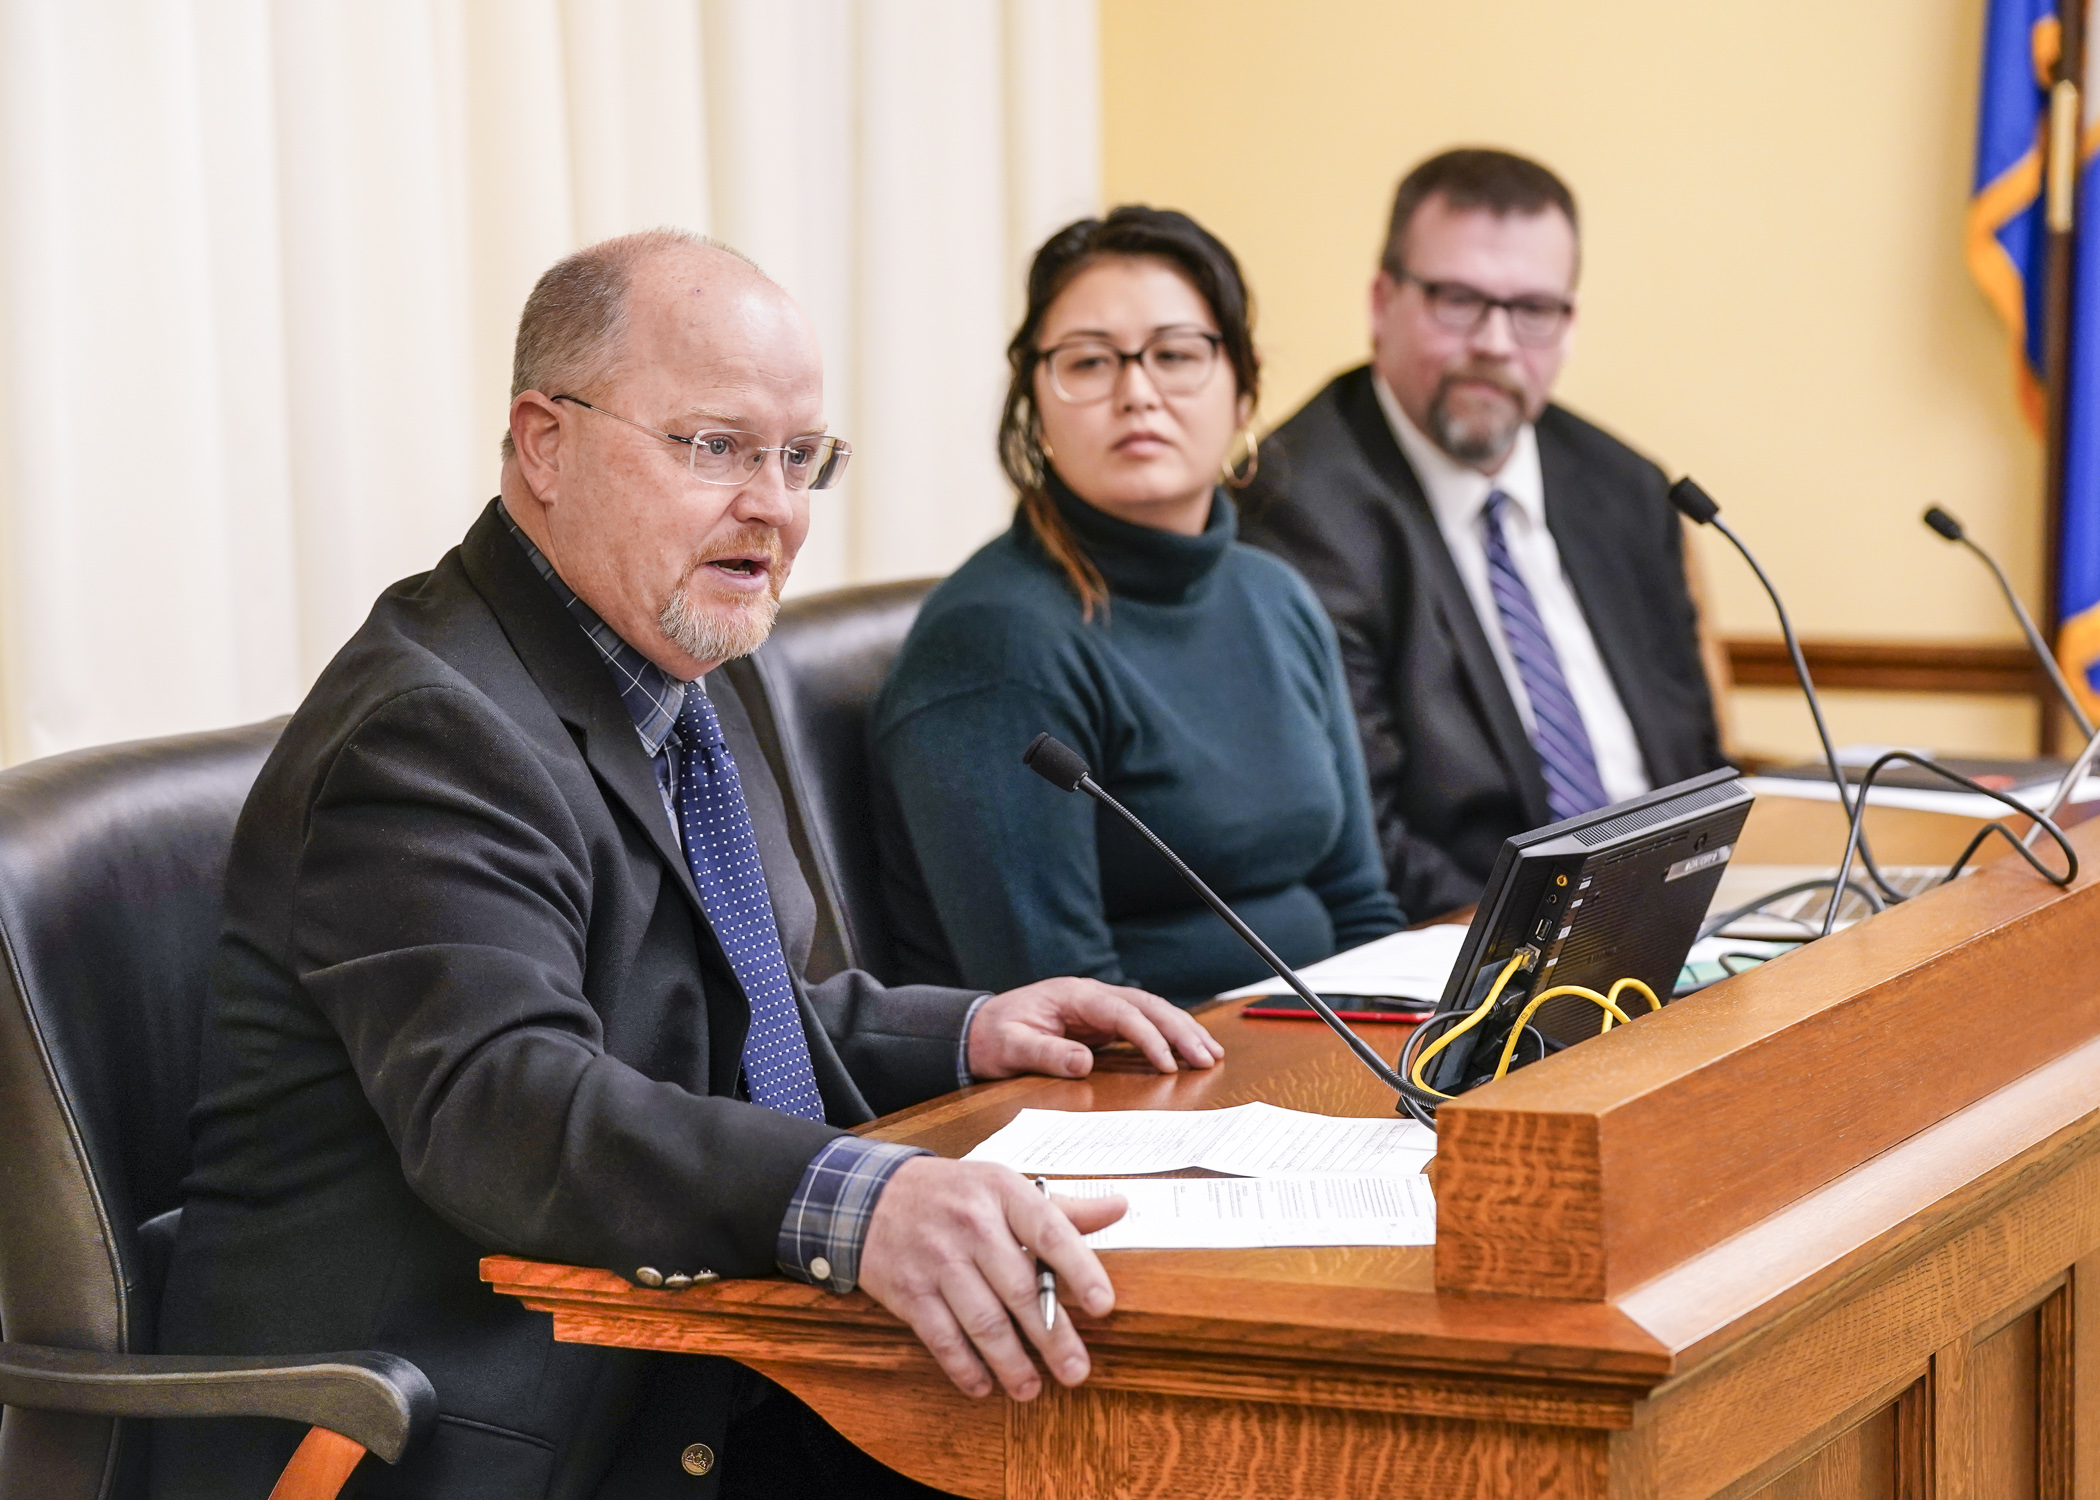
(733, 631)
(729, 629)
(1482, 436)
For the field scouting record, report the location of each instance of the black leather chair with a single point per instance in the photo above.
(809, 689)
(111, 864)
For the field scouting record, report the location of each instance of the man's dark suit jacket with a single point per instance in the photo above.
(466, 1001)
(1452, 772)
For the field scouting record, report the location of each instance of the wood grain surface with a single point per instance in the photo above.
(2002, 1450)
(1860, 1461)
(1890, 666)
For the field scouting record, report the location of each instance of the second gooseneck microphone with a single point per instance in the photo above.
(1943, 523)
(1067, 770)
(1701, 508)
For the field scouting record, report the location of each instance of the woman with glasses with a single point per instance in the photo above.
(1198, 677)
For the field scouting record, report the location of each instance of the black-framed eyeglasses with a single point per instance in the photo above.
(1178, 361)
(1536, 321)
(726, 456)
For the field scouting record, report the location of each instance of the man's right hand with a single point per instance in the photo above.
(951, 1250)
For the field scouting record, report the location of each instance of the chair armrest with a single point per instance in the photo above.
(379, 1400)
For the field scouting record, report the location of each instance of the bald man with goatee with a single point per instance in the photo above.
(512, 963)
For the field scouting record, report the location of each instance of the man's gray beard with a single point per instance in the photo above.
(1470, 445)
(704, 637)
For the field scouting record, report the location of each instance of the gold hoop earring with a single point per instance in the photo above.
(1253, 461)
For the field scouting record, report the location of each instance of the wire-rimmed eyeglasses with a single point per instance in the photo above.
(1178, 361)
(726, 456)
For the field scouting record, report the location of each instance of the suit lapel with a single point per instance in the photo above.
(1496, 710)
(1595, 566)
(577, 686)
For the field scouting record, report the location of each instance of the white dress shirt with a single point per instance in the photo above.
(1457, 495)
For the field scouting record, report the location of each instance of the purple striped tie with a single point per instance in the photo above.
(1563, 744)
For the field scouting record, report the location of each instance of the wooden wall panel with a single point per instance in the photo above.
(1857, 1465)
(2003, 1412)
(1953, 1423)
(2054, 1395)
(2085, 1378)
(1914, 1450)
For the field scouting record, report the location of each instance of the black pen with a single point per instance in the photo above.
(1045, 1278)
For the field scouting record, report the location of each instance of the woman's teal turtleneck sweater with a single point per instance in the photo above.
(1208, 698)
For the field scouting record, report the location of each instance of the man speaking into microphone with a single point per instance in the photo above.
(1507, 580)
(512, 960)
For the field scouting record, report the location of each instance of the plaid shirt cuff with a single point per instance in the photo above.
(827, 1219)
(962, 1044)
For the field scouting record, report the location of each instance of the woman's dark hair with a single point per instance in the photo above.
(1132, 230)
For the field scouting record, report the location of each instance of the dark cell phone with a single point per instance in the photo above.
(1348, 1007)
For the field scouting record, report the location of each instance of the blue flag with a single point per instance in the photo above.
(2008, 255)
(2078, 539)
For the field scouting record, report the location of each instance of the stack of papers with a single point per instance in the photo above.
(1299, 1179)
(1411, 965)
(1248, 1140)
(1239, 1213)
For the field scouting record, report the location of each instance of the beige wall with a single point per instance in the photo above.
(1773, 300)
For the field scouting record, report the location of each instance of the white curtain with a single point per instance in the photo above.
(260, 262)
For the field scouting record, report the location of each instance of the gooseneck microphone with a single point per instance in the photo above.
(1943, 523)
(1700, 508)
(1064, 768)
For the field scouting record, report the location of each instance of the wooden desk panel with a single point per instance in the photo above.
(1864, 1261)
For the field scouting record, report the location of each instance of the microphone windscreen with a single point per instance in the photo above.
(1054, 761)
(1696, 504)
(1943, 523)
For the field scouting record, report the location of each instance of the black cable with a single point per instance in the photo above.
(1418, 1103)
(1798, 888)
(1853, 832)
(1412, 1100)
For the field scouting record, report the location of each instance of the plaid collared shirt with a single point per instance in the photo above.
(827, 1218)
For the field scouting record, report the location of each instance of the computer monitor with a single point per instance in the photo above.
(1612, 894)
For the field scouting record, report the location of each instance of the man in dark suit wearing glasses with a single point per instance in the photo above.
(1507, 579)
(512, 961)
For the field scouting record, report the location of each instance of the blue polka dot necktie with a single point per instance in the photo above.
(1558, 733)
(722, 852)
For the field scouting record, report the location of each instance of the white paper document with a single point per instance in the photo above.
(1248, 1140)
(1411, 965)
(1240, 1213)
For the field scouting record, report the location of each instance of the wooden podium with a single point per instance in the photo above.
(1829, 1229)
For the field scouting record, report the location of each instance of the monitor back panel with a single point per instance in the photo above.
(1606, 899)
